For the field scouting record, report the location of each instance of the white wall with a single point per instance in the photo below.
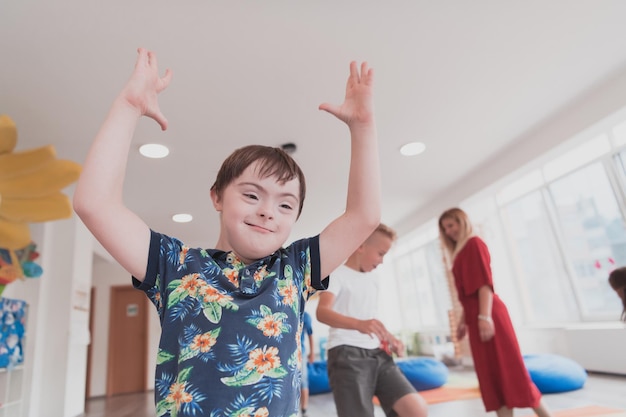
(598, 347)
(78, 331)
(106, 274)
(57, 332)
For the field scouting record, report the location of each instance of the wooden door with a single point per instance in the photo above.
(128, 341)
(92, 312)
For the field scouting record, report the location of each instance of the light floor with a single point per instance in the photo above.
(599, 390)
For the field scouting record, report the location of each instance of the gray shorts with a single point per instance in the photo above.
(356, 375)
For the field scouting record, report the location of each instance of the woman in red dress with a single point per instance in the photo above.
(504, 381)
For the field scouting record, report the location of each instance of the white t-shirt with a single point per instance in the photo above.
(356, 295)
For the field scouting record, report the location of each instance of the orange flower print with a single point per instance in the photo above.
(191, 283)
(260, 274)
(182, 255)
(232, 275)
(178, 395)
(270, 326)
(263, 360)
(299, 344)
(262, 412)
(289, 293)
(210, 294)
(203, 342)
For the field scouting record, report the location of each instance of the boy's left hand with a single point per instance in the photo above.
(357, 108)
(393, 345)
(397, 347)
(144, 85)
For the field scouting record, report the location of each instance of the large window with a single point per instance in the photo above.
(594, 236)
(536, 258)
(422, 287)
(554, 235)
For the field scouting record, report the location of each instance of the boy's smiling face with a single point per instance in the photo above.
(256, 214)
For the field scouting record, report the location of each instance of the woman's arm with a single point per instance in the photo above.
(485, 322)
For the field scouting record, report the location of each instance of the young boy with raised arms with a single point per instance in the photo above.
(231, 316)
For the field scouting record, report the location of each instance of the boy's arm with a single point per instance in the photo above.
(98, 196)
(311, 350)
(362, 215)
(330, 317)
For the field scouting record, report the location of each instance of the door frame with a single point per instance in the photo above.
(92, 313)
(114, 290)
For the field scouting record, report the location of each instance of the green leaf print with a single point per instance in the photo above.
(183, 375)
(176, 295)
(248, 411)
(163, 357)
(162, 408)
(288, 272)
(293, 359)
(174, 284)
(265, 310)
(276, 372)
(241, 378)
(213, 312)
(254, 321)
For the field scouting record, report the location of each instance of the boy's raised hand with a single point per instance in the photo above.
(144, 85)
(358, 107)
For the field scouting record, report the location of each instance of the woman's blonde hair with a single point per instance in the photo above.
(465, 224)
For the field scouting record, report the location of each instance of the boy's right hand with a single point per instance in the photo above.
(357, 108)
(141, 91)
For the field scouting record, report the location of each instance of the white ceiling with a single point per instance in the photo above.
(468, 79)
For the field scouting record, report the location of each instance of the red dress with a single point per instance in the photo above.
(502, 375)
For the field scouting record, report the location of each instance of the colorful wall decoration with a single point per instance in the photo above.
(30, 192)
(12, 329)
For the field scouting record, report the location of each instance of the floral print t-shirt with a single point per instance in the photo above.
(230, 333)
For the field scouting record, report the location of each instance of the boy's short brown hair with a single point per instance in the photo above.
(274, 162)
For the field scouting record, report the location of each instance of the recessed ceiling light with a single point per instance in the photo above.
(154, 150)
(413, 148)
(182, 218)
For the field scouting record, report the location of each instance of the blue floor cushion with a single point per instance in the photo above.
(318, 378)
(554, 373)
(424, 373)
